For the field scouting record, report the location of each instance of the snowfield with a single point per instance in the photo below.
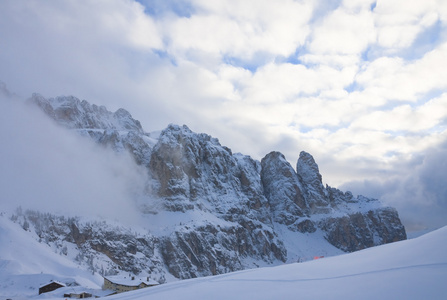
(411, 269)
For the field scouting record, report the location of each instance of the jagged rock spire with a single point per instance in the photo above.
(282, 189)
(311, 180)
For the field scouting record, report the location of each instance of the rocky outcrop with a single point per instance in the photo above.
(194, 171)
(254, 206)
(358, 230)
(211, 250)
(99, 246)
(312, 183)
(282, 189)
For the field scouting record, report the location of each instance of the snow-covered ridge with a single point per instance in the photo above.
(244, 213)
(76, 114)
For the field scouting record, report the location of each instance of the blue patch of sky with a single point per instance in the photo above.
(373, 6)
(373, 52)
(293, 58)
(258, 59)
(422, 99)
(435, 93)
(367, 54)
(426, 41)
(323, 8)
(248, 64)
(303, 129)
(157, 8)
(399, 133)
(164, 55)
(392, 104)
(439, 128)
(335, 128)
(354, 86)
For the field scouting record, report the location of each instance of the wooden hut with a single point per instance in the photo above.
(53, 285)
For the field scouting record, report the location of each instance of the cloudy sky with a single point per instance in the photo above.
(359, 84)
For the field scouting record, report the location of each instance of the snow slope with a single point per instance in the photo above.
(26, 264)
(411, 269)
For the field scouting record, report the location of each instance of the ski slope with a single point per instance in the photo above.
(411, 269)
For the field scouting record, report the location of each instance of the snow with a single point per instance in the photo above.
(130, 280)
(164, 223)
(305, 246)
(26, 264)
(412, 269)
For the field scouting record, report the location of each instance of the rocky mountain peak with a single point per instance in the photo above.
(282, 189)
(311, 180)
(193, 170)
(73, 113)
(307, 169)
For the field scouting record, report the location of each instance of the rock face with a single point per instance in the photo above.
(97, 246)
(242, 212)
(311, 181)
(194, 171)
(211, 250)
(283, 190)
(362, 230)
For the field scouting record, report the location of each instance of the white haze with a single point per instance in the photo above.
(48, 168)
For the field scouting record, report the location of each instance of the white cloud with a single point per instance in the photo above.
(406, 118)
(344, 32)
(119, 22)
(396, 79)
(286, 82)
(334, 60)
(241, 28)
(399, 22)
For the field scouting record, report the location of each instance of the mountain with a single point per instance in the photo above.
(207, 210)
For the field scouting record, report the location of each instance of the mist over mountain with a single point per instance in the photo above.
(194, 207)
(48, 168)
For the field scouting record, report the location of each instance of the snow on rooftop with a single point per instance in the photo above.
(52, 281)
(131, 280)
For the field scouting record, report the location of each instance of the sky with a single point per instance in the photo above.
(361, 85)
